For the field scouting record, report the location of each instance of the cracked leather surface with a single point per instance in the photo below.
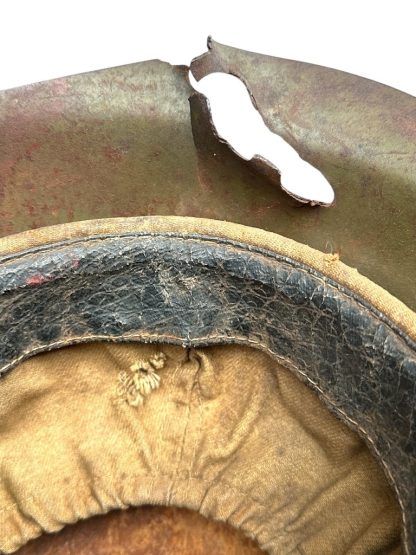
(196, 291)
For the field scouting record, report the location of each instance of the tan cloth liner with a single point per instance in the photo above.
(229, 433)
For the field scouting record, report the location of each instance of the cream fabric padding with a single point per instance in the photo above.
(229, 433)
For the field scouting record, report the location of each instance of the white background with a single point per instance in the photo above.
(43, 39)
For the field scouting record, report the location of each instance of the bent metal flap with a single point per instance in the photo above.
(127, 163)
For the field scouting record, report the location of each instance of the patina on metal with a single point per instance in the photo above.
(137, 140)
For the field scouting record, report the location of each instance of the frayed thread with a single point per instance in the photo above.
(136, 385)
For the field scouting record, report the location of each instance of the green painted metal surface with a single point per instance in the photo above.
(137, 140)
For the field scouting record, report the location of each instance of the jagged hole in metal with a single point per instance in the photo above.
(236, 120)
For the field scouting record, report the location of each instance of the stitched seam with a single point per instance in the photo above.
(245, 247)
(184, 435)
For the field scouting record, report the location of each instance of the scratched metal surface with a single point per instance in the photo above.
(126, 141)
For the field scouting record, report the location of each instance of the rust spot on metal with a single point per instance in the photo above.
(145, 530)
(113, 154)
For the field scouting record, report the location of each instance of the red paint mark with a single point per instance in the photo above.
(407, 124)
(36, 280)
(34, 146)
(113, 154)
(30, 209)
(59, 87)
(8, 167)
